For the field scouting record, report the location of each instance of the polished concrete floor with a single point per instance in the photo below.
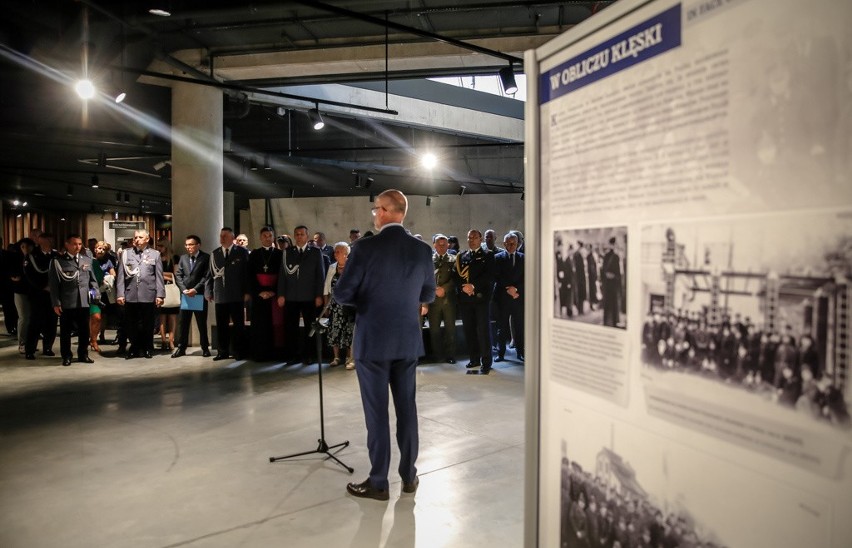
(167, 452)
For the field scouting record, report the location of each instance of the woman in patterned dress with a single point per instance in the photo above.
(342, 322)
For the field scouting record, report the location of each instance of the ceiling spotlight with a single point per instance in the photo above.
(372, 197)
(507, 78)
(70, 191)
(85, 89)
(16, 203)
(461, 190)
(120, 96)
(160, 165)
(266, 165)
(95, 181)
(429, 160)
(316, 118)
(160, 12)
(19, 216)
(24, 204)
(253, 164)
(368, 182)
(292, 192)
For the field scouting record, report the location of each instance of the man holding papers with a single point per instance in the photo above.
(191, 277)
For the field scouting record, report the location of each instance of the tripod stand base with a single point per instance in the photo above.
(322, 448)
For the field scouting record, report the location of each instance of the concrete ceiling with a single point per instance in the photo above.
(274, 61)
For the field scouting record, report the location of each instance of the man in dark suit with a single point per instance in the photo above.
(509, 297)
(191, 278)
(140, 289)
(322, 245)
(267, 319)
(388, 279)
(300, 288)
(611, 285)
(228, 288)
(581, 282)
(475, 284)
(72, 286)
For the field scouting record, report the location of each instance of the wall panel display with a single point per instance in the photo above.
(693, 170)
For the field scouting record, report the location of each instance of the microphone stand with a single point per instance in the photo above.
(317, 329)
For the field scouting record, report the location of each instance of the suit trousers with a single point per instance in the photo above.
(373, 379)
(233, 312)
(184, 321)
(139, 325)
(476, 317)
(298, 347)
(510, 312)
(42, 322)
(443, 340)
(70, 320)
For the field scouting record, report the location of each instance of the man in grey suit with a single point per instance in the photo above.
(228, 288)
(388, 279)
(301, 282)
(444, 306)
(72, 285)
(191, 277)
(140, 290)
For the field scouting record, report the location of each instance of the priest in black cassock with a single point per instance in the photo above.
(266, 337)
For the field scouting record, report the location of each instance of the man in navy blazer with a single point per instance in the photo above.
(389, 279)
(509, 297)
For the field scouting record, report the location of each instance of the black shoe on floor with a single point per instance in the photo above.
(178, 353)
(365, 490)
(86, 359)
(499, 359)
(29, 357)
(451, 361)
(205, 353)
(66, 361)
(48, 353)
(411, 487)
(220, 357)
(472, 365)
(147, 354)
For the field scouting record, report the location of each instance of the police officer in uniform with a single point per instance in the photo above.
(72, 286)
(228, 288)
(475, 283)
(140, 290)
(444, 306)
(42, 317)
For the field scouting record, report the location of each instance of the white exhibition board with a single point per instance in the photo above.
(691, 164)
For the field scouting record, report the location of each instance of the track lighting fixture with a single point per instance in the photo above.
(70, 191)
(368, 182)
(461, 190)
(266, 165)
(316, 118)
(95, 181)
(357, 180)
(507, 79)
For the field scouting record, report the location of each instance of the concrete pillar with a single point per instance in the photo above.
(197, 168)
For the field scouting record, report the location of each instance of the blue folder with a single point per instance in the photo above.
(192, 303)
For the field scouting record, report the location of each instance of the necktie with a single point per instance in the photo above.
(226, 253)
(191, 262)
(77, 259)
(513, 260)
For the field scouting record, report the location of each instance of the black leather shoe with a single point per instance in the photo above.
(147, 354)
(451, 361)
(521, 357)
(86, 359)
(66, 361)
(121, 351)
(485, 370)
(205, 353)
(130, 355)
(499, 359)
(29, 357)
(178, 353)
(472, 365)
(48, 352)
(220, 357)
(411, 487)
(365, 490)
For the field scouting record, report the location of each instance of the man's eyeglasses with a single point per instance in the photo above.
(374, 209)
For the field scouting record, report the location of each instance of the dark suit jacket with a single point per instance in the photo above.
(73, 293)
(507, 275)
(479, 266)
(387, 278)
(233, 286)
(197, 279)
(308, 282)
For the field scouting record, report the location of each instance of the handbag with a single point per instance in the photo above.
(172, 299)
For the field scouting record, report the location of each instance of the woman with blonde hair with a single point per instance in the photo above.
(104, 272)
(342, 323)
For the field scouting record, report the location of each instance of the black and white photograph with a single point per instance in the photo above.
(590, 282)
(756, 306)
(629, 487)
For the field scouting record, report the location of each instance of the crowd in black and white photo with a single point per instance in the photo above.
(590, 280)
(597, 514)
(784, 366)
